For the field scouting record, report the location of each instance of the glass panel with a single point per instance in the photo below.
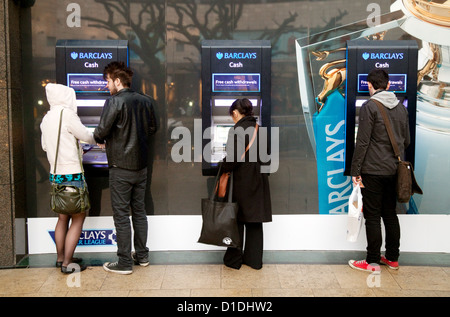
(165, 40)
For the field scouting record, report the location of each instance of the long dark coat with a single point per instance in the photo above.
(250, 186)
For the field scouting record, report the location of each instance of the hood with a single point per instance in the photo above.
(60, 95)
(387, 98)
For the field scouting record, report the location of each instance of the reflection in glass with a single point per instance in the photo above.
(426, 21)
(429, 21)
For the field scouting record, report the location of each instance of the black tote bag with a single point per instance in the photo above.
(220, 219)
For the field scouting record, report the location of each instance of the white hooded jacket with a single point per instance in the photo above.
(62, 97)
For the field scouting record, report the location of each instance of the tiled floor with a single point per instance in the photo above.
(283, 279)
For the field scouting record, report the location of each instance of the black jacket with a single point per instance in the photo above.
(373, 152)
(126, 124)
(250, 186)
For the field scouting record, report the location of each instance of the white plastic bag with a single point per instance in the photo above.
(355, 214)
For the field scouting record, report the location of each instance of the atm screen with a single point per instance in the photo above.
(87, 83)
(236, 82)
(221, 133)
(228, 102)
(397, 83)
(360, 101)
(90, 103)
(219, 142)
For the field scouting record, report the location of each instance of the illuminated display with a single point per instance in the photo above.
(80, 64)
(236, 82)
(87, 83)
(397, 83)
(228, 102)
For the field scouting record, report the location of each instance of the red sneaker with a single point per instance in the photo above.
(390, 264)
(362, 265)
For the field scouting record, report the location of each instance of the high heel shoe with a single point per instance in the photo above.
(74, 260)
(71, 270)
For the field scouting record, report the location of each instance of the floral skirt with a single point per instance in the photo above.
(68, 179)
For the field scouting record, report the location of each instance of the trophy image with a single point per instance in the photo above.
(429, 22)
(322, 74)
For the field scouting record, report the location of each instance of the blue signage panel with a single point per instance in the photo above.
(94, 237)
(236, 82)
(329, 130)
(89, 83)
(397, 83)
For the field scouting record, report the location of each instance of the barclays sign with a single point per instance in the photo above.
(94, 237)
(379, 56)
(91, 55)
(235, 55)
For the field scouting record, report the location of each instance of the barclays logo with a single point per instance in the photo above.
(235, 55)
(91, 55)
(95, 237)
(379, 56)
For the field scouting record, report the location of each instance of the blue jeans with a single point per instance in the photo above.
(128, 193)
(79, 184)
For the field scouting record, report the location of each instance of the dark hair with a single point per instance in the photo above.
(379, 78)
(244, 106)
(118, 70)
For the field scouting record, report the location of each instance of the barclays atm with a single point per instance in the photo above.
(80, 65)
(231, 69)
(399, 59)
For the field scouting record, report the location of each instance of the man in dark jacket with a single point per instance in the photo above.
(125, 127)
(374, 166)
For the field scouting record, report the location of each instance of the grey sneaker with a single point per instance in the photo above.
(115, 267)
(141, 262)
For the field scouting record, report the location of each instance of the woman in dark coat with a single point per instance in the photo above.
(250, 187)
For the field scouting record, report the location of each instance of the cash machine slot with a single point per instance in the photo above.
(399, 59)
(80, 64)
(221, 122)
(88, 111)
(232, 70)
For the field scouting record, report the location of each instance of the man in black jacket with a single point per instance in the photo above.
(125, 127)
(374, 166)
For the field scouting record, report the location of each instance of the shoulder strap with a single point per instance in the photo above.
(57, 147)
(57, 142)
(251, 141)
(387, 123)
(230, 191)
(79, 156)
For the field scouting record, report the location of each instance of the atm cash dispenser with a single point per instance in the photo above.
(231, 69)
(80, 65)
(399, 59)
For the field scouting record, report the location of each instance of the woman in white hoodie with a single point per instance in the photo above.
(68, 170)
